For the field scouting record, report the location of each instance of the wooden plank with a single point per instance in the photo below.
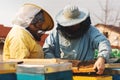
(88, 68)
(82, 70)
(7, 67)
(112, 65)
(84, 67)
(7, 71)
(36, 61)
(50, 68)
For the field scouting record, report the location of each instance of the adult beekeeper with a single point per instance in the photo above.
(75, 38)
(30, 22)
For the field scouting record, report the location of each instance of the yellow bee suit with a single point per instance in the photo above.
(21, 44)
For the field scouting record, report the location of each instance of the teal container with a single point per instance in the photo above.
(62, 75)
(8, 76)
(116, 77)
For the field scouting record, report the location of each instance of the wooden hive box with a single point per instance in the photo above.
(53, 71)
(7, 67)
(8, 71)
(62, 75)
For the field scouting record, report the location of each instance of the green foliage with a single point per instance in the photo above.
(114, 54)
(96, 53)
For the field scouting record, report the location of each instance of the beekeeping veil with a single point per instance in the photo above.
(27, 13)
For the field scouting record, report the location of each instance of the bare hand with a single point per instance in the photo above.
(99, 65)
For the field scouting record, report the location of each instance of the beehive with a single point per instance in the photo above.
(8, 71)
(61, 75)
(7, 67)
(55, 71)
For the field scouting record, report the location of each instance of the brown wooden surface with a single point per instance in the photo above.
(112, 65)
(78, 67)
(7, 71)
(109, 68)
(84, 67)
(82, 70)
(36, 61)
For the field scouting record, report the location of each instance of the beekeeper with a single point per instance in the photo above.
(30, 22)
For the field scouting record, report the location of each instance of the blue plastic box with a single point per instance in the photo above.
(8, 76)
(116, 77)
(63, 75)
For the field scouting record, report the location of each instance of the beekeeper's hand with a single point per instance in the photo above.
(99, 65)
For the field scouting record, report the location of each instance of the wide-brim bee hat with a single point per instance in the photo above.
(71, 15)
(26, 14)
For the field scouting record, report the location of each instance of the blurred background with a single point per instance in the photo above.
(101, 11)
(105, 15)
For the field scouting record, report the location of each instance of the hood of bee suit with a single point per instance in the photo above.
(27, 12)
